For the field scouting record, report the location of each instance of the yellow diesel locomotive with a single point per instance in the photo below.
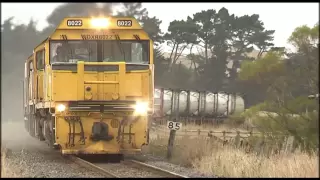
(88, 88)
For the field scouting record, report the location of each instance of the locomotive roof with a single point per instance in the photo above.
(86, 24)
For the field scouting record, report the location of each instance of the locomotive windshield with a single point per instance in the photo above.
(99, 51)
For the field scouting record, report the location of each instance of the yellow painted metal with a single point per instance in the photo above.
(101, 147)
(122, 76)
(80, 74)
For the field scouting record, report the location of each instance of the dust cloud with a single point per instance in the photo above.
(13, 134)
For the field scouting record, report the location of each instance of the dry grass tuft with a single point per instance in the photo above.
(211, 158)
(230, 162)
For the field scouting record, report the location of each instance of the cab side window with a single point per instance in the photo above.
(30, 66)
(40, 60)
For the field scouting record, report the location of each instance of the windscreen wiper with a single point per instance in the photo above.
(69, 49)
(120, 47)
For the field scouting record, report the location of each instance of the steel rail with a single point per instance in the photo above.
(155, 169)
(92, 166)
(134, 163)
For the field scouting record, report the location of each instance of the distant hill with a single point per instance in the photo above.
(183, 59)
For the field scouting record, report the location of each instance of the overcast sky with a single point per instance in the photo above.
(282, 17)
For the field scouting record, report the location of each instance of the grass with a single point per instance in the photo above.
(230, 162)
(211, 158)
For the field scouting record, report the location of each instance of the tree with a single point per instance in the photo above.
(247, 32)
(180, 34)
(245, 29)
(263, 40)
(263, 71)
(214, 32)
(205, 22)
(255, 77)
(152, 27)
(289, 120)
(220, 50)
(161, 66)
(305, 38)
(305, 63)
(288, 82)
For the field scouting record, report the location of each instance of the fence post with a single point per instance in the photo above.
(224, 135)
(260, 144)
(171, 142)
(210, 134)
(289, 144)
(237, 139)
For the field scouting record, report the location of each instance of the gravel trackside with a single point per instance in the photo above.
(164, 164)
(23, 156)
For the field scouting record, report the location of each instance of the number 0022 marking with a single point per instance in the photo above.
(124, 23)
(74, 23)
(174, 125)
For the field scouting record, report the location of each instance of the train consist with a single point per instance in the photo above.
(196, 104)
(88, 87)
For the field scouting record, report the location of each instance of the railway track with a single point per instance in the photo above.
(126, 168)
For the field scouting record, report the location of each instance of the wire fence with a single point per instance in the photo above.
(250, 141)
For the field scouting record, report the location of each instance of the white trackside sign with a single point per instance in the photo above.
(174, 125)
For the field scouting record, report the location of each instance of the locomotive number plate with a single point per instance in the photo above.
(74, 23)
(124, 23)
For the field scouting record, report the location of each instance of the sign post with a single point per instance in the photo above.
(173, 125)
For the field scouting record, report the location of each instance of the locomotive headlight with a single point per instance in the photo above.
(141, 108)
(99, 22)
(61, 108)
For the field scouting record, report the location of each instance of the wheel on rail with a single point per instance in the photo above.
(56, 146)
